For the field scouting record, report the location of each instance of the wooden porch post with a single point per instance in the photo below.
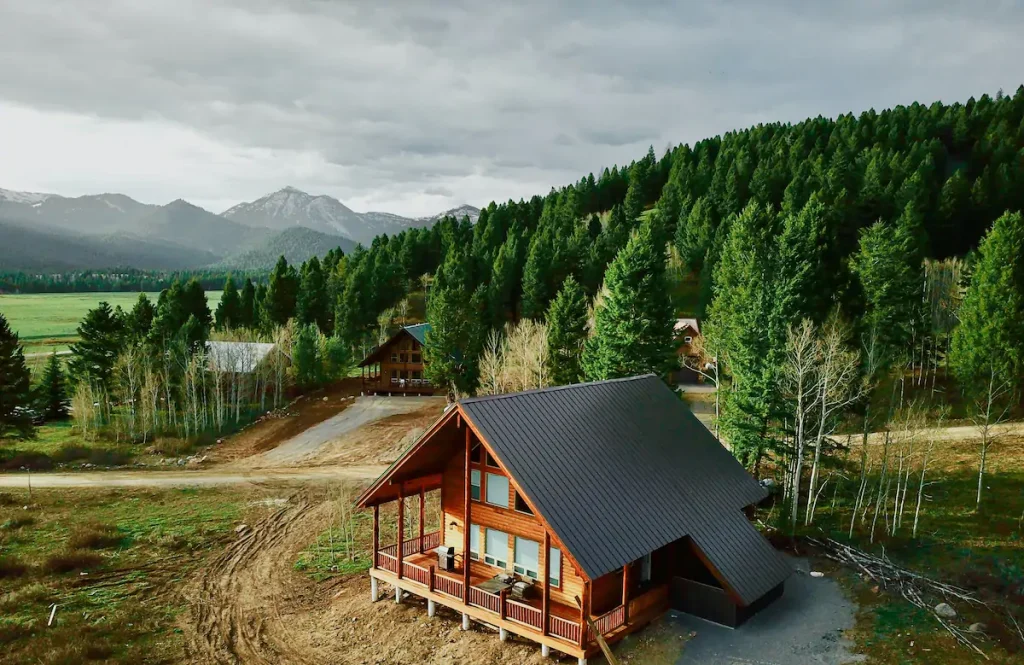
(467, 521)
(545, 607)
(376, 534)
(584, 614)
(625, 593)
(422, 514)
(401, 528)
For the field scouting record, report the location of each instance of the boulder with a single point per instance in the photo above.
(945, 610)
(977, 628)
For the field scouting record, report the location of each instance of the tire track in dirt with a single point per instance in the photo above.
(235, 613)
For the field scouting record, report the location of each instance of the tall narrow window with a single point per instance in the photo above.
(527, 558)
(474, 542)
(497, 490)
(496, 548)
(474, 484)
(476, 453)
(521, 505)
(555, 567)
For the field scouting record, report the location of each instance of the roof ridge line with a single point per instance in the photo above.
(534, 391)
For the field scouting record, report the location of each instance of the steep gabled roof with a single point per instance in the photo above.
(620, 468)
(417, 332)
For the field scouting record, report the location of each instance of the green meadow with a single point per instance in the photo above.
(47, 322)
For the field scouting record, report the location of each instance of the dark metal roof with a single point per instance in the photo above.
(620, 468)
(419, 331)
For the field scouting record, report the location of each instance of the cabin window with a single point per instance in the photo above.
(417, 374)
(496, 548)
(492, 462)
(474, 542)
(521, 505)
(687, 339)
(416, 357)
(476, 453)
(474, 483)
(403, 357)
(555, 567)
(394, 357)
(527, 561)
(497, 490)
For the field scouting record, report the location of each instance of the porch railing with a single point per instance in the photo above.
(417, 574)
(431, 541)
(487, 601)
(524, 614)
(387, 561)
(609, 621)
(564, 629)
(448, 586)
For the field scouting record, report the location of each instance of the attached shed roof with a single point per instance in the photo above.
(620, 468)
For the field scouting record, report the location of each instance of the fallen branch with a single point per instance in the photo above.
(909, 584)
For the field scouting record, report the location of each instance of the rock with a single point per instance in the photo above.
(977, 627)
(814, 573)
(945, 611)
(241, 529)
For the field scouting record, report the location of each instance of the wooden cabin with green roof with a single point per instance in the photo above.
(396, 367)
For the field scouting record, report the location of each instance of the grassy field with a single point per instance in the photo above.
(112, 562)
(47, 322)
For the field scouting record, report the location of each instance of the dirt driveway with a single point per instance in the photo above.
(188, 478)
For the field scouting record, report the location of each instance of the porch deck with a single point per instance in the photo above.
(566, 631)
(394, 385)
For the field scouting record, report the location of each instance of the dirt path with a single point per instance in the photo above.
(188, 478)
(360, 412)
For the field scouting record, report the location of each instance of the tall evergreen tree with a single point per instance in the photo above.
(15, 391)
(633, 326)
(987, 353)
(282, 292)
(247, 305)
(52, 394)
(140, 320)
(101, 337)
(195, 303)
(537, 277)
(454, 325)
(567, 332)
(229, 309)
(311, 305)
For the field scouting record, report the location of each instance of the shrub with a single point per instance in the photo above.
(95, 537)
(70, 453)
(72, 561)
(17, 522)
(102, 457)
(7, 499)
(11, 567)
(33, 461)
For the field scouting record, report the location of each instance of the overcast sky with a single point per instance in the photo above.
(416, 106)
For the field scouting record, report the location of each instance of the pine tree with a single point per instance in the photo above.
(306, 357)
(101, 338)
(987, 354)
(140, 320)
(633, 327)
(247, 305)
(52, 395)
(536, 277)
(282, 292)
(229, 309)
(311, 305)
(567, 332)
(195, 304)
(454, 326)
(633, 206)
(15, 392)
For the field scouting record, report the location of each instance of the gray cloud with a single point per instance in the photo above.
(411, 106)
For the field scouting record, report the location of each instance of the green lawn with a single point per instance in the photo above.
(47, 321)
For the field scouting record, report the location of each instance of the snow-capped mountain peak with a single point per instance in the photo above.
(28, 198)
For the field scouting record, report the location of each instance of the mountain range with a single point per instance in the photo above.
(50, 232)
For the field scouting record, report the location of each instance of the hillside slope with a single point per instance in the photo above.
(295, 244)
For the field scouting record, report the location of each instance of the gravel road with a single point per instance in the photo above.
(362, 411)
(186, 478)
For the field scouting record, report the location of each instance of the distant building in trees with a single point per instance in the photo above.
(239, 357)
(397, 365)
(686, 331)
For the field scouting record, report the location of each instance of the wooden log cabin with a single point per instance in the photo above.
(396, 366)
(592, 507)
